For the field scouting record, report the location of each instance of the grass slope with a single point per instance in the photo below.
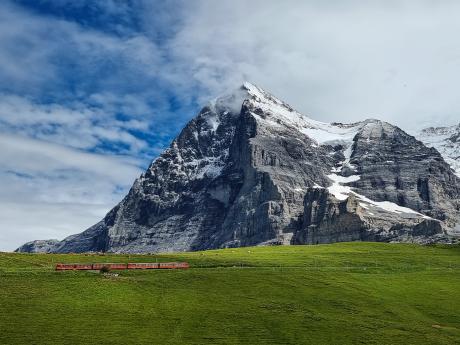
(348, 293)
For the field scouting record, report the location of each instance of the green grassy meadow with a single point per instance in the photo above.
(347, 293)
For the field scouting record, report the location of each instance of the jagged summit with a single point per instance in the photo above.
(231, 103)
(251, 170)
(278, 113)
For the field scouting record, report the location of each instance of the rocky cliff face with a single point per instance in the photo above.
(446, 140)
(250, 170)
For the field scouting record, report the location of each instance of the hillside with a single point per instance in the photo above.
(347, 293)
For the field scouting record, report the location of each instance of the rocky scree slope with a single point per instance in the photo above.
(250, 170)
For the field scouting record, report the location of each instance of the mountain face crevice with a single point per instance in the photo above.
(250, 170)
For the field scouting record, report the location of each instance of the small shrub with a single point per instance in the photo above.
(104, 269)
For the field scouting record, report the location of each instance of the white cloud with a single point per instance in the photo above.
(48, 189)
(24, 221)
(77, 125)
(34, 156)
(335, 61)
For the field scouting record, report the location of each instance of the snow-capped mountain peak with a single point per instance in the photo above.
(251, 170)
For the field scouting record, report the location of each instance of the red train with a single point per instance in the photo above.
(120, 266)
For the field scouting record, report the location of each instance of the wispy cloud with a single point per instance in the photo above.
(75, 125)
(40, 178)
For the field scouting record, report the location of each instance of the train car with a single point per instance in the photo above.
(143, 266)
(118, 266)
(183, 265)
(173, 265)
(112, 266)
(99, 266)
(79, 267)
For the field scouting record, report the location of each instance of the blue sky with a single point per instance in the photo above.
(93, 90)
(84, 107)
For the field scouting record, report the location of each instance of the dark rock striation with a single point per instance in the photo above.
(250, 170)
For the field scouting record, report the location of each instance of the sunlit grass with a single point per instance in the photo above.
(349, 293)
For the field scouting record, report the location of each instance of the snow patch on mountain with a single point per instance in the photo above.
(338, 189)
(388, 206)
(281, 114)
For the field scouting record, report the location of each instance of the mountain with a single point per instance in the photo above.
(250, 170)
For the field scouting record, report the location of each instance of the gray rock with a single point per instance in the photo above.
(38, 246)
(250, 170)
(327, 220)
